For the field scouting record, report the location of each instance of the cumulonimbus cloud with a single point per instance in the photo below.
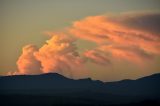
(59, 55)
(131, 37)
(27, 63)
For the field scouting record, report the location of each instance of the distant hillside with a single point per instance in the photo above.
(53, 86)
(148, 86)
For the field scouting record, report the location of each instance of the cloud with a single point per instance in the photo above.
(129, 53)
(27, 63)
(97, 57)
(132, 37)
(59, 55)
(90, 28)
(127, 37)
(148, 22)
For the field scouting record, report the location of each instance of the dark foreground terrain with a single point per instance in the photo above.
(28, 100)
(54, 89)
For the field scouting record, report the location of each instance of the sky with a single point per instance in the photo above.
(103, 39)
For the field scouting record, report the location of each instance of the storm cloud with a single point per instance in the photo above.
(128, 37)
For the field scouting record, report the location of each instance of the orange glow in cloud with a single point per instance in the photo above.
(120, 39)
(59, 55)
(96, 57)
(132, 54)
(124, 37)
(27, 63)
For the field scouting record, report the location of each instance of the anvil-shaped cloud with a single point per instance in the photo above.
(131, 37)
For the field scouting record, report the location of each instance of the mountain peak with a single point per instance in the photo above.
(52, 74)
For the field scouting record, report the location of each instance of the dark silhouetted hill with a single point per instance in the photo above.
(147, 86)
(52, 89)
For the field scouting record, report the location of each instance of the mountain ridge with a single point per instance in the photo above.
(53, 86)
(59, 75)
(54, 80)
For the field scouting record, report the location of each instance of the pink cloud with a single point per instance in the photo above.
(134, 38)
(27, 63)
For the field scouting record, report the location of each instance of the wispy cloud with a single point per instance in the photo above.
(130, 37)
(133, 37)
